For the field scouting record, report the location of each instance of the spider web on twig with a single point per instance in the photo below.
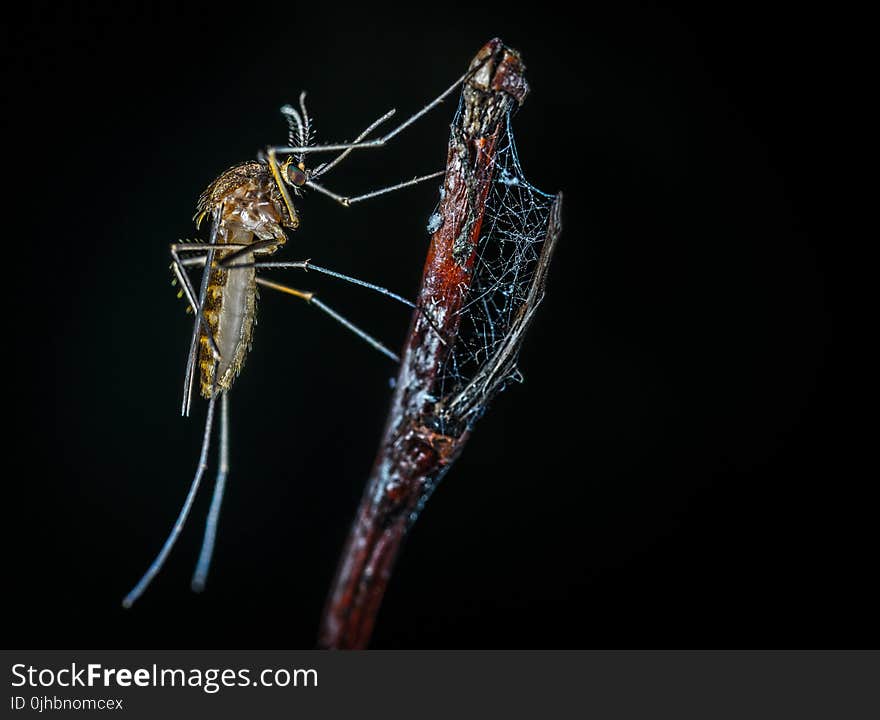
(517, 224)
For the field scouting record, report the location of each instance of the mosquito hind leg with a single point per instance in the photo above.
(186, 286)
(179, 265)
(310, 298)
(200, 576)
(157, 564)
(307, 265)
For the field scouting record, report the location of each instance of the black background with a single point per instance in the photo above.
(673, 472)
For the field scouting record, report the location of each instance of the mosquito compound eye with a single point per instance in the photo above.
(295, 175)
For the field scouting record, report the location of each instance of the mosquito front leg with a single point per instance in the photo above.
(295, 150)
(308, 178)
(276, 175)
(323, 169)
(349, 201)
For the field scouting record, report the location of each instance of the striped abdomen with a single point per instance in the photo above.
(230, 306)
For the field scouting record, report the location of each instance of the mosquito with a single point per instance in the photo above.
(251, 209)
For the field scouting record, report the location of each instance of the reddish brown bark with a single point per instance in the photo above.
(413, 453)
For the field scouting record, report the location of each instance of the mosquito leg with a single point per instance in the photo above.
(189, 378)
(201, 247)
(204, 247)
(240, 249)
(269, 246)
(282, 188)
(348, 201)
(156, 566)
(195, 304)
(431, 105)
(392, 188)
(312, 300)
(380, 141)
(307, 265)
(329, 166)
(204, 564)
(192, 262)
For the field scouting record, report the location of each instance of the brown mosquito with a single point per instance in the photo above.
(251, 209)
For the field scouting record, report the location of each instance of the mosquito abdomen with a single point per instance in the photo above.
(230, 306)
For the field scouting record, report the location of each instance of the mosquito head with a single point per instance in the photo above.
(294, 174)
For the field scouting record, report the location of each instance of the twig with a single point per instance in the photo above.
(425, 433)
